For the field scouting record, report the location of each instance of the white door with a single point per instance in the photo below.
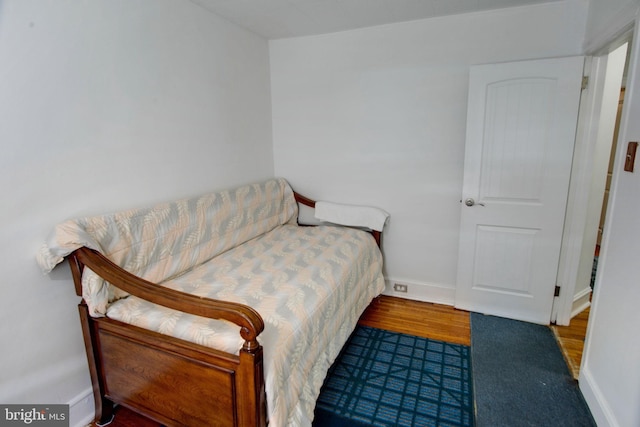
(521, 124)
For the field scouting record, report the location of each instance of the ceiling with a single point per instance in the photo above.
(274, 19)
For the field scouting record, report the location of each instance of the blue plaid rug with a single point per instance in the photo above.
(384, 378)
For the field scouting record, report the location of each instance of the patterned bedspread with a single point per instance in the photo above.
(309, 284)
(165, 240)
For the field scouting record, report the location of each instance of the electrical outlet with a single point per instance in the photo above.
(399, 287)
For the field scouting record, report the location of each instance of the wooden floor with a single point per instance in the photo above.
(427, 320)
(422, 319)
(571, 340)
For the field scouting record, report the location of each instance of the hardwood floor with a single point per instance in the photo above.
(571, 340)
(422, 319)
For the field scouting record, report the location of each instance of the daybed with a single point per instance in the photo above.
(218, 309)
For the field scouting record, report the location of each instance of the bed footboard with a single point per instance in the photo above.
(172, 381)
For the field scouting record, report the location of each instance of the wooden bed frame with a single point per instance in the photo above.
(169, 380)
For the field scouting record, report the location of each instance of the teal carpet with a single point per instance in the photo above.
(384, 378)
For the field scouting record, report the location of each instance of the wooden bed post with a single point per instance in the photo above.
(377, 236)
(252, 404)
(103, 407)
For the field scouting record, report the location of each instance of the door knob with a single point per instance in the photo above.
(471, 202)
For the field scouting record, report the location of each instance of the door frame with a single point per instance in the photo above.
(578, 211)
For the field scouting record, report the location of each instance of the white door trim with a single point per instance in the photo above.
(578, 200)
(582, 203)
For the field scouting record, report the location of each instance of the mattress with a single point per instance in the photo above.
(309, 284)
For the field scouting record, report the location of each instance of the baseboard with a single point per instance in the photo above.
(581, 302)
(82, 409)
(426, 292)
(596, 402)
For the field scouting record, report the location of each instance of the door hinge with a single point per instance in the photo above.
(585, 82)
(556, 293)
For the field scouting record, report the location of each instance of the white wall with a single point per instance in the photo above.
(610, 372)
(607, 20)
(111, 104)
(104, 105)
(377, 116)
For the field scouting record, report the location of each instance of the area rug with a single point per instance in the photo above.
(384, 378)
(520, 377)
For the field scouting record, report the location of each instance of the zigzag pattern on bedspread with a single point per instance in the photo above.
(309, 284)
(162, 241)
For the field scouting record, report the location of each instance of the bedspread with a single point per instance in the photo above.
(162, 241)
(309, 284)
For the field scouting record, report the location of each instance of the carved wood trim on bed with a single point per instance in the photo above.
(244, 316)
(304, 200)
(172, 381)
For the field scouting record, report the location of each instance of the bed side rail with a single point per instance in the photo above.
(249, 320)
(304, 200)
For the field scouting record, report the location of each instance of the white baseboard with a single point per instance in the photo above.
(426, 292)
(82, 409)
(581, 301)
(602, 414)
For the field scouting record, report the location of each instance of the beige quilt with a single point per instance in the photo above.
(309, 284)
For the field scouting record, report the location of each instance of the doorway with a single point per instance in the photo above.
(600, 134)
(596, 124)
(607, 189)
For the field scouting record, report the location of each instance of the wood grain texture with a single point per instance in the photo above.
(435, 321)
(247, 318)
(571, 340)
(172, 381)
(417, 318)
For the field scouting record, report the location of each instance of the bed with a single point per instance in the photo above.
(218, 309)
